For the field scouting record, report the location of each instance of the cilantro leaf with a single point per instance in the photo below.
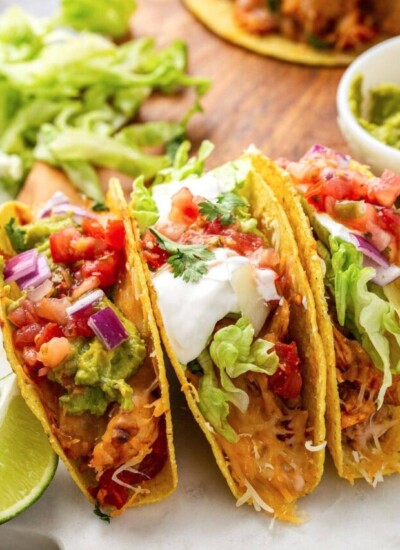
(223, 209)
(195, 367)
(97, 512)
(100, 207)
(187, 260)
(16, 236)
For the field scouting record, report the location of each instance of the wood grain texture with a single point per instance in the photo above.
(283, 108)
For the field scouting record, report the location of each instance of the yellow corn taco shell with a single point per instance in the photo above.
(303, 329)
(218, 16)
(349, 464)
(132, 298)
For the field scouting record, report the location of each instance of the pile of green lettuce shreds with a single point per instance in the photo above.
(68, 96)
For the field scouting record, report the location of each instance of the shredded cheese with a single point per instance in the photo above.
(378, 478)
(209, 427)
(257, 501)
(356, 456)
(272, 523)
(314, 448)
(125, 468)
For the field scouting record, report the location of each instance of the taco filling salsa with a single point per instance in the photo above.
(64, 272)
(225, 306)
(357, 227)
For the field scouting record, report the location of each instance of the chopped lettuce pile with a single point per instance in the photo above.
(68, 97)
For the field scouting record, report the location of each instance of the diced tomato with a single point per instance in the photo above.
(106, 269)
(53, 309)
(69, 246)
(93, 228)
(110, 493)
(26, 335)
(287, 381)
(154, 255)
(243, 243)
(29, 355)
(115, 234)
(184, 208)
(60, 244)
(78, 325)
(23, 315)
(384, 190)
(49, 331)
(214, 227)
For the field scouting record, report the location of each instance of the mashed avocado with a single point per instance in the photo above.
(95, 377)
(382, 116)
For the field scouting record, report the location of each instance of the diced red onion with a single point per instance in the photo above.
(41, 273)
(36, 294)
(78, 213)
(57, 199)
(21, 266)
(108, 328)
(386, 275)
(341, 159)
(84, 302)
(370, 251)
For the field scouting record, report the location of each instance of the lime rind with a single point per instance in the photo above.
(27, 461)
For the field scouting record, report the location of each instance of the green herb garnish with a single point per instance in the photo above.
(317, 42)
(223, 209)
(97, 512)
(16, 236)
(100, 207)
(194, 367)
(187, 261)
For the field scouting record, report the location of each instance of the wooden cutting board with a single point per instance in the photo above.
(283, 108)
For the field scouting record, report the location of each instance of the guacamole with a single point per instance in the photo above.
(95, 377)
(381, 117)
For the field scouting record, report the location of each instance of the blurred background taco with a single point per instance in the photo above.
(312, 32)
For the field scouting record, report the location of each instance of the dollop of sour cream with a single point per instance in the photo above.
(190, 311)
(208, 187)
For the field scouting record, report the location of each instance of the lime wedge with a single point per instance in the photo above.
(27, 461)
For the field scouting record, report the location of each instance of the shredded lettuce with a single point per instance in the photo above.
(67, 98)
(214, 402)
(102, 16)
(370, 317)
(142, 205)
(233, 352)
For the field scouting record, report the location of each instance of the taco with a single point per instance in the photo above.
(79, 333)
(237, 319)
(313, 33)
(352, 262)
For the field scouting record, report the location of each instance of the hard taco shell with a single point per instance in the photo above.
(303, 329)
(133, 300)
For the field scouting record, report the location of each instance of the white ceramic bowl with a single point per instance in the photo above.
(378, 64)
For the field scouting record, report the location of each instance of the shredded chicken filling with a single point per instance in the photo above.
(344, 24)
